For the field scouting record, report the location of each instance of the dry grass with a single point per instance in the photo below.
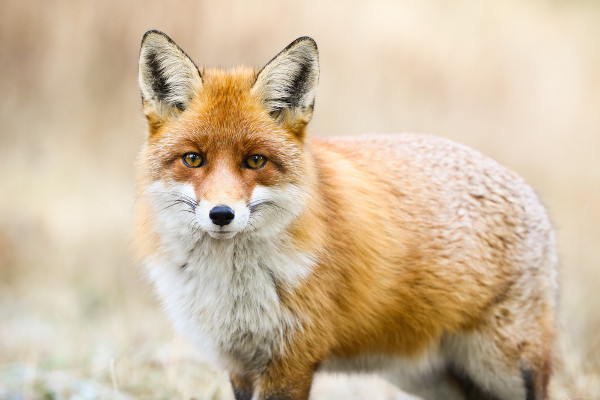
(518, 80)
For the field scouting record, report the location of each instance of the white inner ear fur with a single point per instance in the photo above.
(167, 76)
(291, 78)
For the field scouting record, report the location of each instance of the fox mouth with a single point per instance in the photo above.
(218, 234)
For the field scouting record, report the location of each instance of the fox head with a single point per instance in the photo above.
(225, 153)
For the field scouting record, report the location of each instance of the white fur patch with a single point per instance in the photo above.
(223, 293)
(276, 208)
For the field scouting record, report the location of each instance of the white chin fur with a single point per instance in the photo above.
(222, 235)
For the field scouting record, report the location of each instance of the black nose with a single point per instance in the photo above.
(221, 215)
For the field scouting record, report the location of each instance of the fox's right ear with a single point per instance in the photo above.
(168, 78)
(287, 85)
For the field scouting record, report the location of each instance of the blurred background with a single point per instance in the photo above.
(518, 80)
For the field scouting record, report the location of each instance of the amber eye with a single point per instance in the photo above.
(255, 161)
(193, 160)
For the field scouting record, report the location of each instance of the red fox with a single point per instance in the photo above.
(280, 255)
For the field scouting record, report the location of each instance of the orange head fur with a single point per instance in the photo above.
(223, 119)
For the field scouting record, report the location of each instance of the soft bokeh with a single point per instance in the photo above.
(517, 79)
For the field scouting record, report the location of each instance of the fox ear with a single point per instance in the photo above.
(288, 83)
(168, 78)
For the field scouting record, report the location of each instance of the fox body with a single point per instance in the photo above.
(281, 255)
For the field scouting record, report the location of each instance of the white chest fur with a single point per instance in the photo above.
(223, 295)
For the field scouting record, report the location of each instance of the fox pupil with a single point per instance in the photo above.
(256, 161)
(192, 160)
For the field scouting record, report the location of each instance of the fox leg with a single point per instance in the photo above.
(242, 387)
(469, 389)
(284, 381)
(508, 362)
(437, 382)
(433, 386)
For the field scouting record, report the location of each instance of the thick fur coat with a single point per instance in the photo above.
(281, 255)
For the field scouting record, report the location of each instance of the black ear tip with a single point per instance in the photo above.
(305, 40)
(155, 32)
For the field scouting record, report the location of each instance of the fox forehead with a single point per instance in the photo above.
(225, 114)
(224, 102)
(228, 85)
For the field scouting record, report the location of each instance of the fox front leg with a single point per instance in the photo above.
(267, 389)
(287, 391)
(281, 381)
(243, 387)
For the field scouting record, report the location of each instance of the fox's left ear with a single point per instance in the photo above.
(168, 78)
(287, 85)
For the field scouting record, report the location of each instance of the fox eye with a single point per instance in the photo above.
(255, 161)
(193, 160)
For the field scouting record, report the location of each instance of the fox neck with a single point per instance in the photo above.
(234, 288)
(237, 287)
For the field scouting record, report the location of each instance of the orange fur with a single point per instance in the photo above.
(418, 243)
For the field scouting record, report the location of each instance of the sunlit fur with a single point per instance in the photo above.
(407, 254)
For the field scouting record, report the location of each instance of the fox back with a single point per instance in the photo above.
(282, 255)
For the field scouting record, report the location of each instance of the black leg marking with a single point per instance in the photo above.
(468, 386)
(242, 394)
(242, 388)
(279, 397)
(529, 383)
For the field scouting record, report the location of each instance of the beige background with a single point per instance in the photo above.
(518, 80)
